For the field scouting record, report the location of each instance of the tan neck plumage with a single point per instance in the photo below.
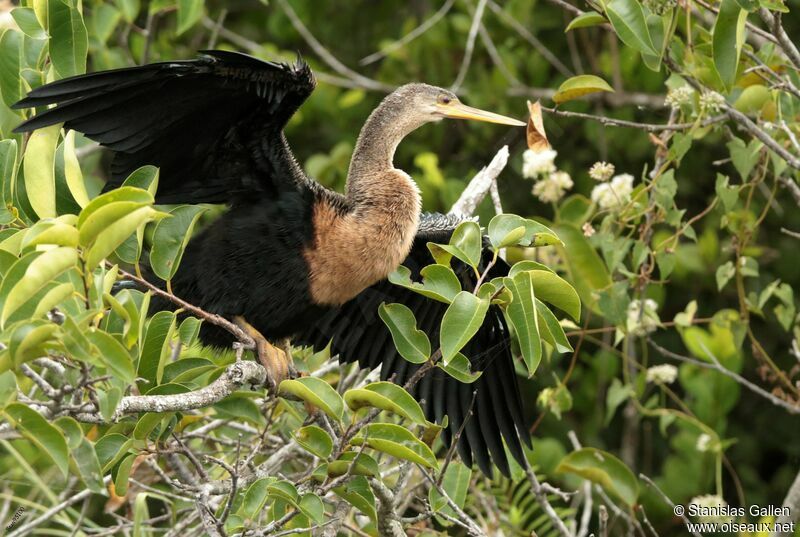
(361, 246)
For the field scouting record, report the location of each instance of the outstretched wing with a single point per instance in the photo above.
(213, 125)
(495, 416)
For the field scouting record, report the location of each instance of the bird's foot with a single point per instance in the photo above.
(276, 360)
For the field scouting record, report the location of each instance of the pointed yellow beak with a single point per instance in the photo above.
(457, 110)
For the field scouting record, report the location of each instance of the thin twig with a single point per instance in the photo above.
(470, 46)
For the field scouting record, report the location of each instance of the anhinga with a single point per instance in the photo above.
(290, 258)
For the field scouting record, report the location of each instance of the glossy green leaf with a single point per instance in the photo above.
(37, 430)
(8, 388)
(460, 369)
(111, 448)
(256, 497)
(116, 233)
(628, 20)
(316, 392)
(357, 493)
(114, 355)
(578, 86)
(604, 469)
(412, 344)
(727, 39)
(69, 41)
(91, 224)
(10, 64)
(439, 282)
(122, 474)
(504, 231)
(156, 347)
(72, 171)
(460, 322)
(170, 239)
(354, 463)
(39, 272)
(314, 440)
(586, 269)
(311, 505)
(385, 396)
(455, 483)
(586, 20)
(25, 18)
(40, 179)
(523, 316)
(553, 289)
(396, 441)
(550, 329)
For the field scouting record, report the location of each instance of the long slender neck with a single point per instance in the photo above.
(374, 151)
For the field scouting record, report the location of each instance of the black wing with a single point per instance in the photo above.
(213, 125)
(358, 334)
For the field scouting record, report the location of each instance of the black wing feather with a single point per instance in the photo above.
(496, 418)
(213, 125)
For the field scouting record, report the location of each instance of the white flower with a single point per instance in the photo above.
(552, 188)
(640, 322)
(662, 374)
(703, 443)
(601, 171)
(679, 96)
(535, 164)
(587, 229)
(615, 193)
(712, 101)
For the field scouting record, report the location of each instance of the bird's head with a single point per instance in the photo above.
(430, 103)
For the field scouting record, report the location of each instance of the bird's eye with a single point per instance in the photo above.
(444, 99)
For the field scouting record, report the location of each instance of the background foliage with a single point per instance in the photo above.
(690, 263)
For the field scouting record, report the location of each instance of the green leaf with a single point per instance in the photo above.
(116, 233)
(316, 392)
(628, 20)
(355, 463)
(114, 355)
(460, 369)
(460, 322)
(189, 12)
(72, 171)
(111, 448)
(587, 271)
(38, 273)
(386, 396)
(412, 344)
(744, 156)
(578, 86)
(128, 8)
(550, 329)
(314, 440)
(156, 347)
(122, 474)
(504, 230)
(25, 18)
(311, 505)
(724, 274)
(727, 40)
(39, 168)
(465, 244)
(170, 239)
(10, 65)
(439, 282)
(37, 430)
(604, 469)
(585, 20)
(357, 493)
(523, 317)
(553, 289)
(69, 41)
(396, 441)
(30, 340)
(455, 483)
(8, 388)
(256, 497)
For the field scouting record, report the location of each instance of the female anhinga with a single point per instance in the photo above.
(291, 258)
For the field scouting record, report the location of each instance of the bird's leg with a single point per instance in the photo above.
(276, 360)
(286, 345)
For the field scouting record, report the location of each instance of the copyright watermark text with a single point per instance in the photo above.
(722, 518)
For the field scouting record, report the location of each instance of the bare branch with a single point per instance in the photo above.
(788, 47)
(648, 127)
(480, 185)
(470, 46)
(410, 36)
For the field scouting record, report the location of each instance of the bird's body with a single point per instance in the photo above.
(289, 257)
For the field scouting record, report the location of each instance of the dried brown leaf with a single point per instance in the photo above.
(537, 139)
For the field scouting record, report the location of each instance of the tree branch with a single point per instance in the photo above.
(480, 185)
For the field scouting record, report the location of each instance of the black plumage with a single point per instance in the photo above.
(291, 257)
